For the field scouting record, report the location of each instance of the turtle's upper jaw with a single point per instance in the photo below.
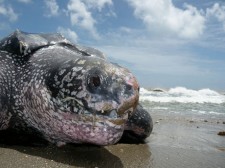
(113, 112)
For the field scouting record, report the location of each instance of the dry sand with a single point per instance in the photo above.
(176, 142)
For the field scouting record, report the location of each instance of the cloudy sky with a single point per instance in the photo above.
(165, 43)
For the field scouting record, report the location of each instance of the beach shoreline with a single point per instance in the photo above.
(176, 141)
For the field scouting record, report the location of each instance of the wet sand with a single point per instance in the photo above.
(176, 142)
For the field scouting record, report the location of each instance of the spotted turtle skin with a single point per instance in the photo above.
(67, 93)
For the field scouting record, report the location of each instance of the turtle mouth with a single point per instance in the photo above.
(102, 125)
(115, 116)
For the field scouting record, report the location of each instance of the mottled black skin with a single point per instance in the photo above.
(140, 118)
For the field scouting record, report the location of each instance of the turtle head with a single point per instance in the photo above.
(95, 97)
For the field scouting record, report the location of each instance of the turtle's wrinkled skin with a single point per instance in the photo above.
(64, 92)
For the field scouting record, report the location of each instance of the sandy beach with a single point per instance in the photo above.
(176, 141)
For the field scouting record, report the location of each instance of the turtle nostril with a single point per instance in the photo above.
(129, 87)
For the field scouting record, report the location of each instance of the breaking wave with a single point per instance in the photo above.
(182, 95)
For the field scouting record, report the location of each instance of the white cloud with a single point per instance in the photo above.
(79, 15)
(53, 7)
(144, 62)
(125, 29)
(80, 12)
(25, 1)
(149, 55)
(163, 15)
(152, 61)
(68, 33)
(99, 4)
(8, 12)
(217, 11)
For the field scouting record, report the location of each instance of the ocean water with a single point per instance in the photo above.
(181, 100)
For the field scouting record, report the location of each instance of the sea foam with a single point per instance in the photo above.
(182, 95)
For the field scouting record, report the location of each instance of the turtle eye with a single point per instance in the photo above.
(95, 80)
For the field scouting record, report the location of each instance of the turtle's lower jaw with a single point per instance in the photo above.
(89, 134)
(85, 128)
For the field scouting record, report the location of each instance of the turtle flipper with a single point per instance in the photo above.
(138, 127)
(5, 117)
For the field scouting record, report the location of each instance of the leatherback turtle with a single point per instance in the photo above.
(67, 93)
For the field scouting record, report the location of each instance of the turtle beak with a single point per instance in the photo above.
(132, 90)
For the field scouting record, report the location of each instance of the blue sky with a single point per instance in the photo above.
(165, 43)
